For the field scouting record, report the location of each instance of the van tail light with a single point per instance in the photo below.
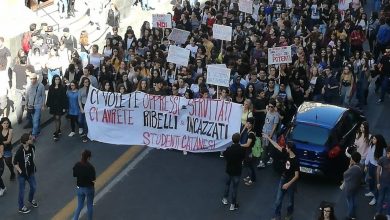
(334, 152)
(282, 141)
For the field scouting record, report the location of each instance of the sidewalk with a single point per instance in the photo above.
(18, 129)
(79, 23)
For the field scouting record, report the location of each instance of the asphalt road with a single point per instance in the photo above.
(166, 184)
(169, 185)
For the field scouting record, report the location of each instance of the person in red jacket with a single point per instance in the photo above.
(210, 20)
(357, 39)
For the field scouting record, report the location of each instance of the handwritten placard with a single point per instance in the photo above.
(222, 32)
(179, 36)
(162, 20)
(218, 75)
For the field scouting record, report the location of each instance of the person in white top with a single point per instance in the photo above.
(95, 58)
(53, 65)
(192, 47)
(377, 149)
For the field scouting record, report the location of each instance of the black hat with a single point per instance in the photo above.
(66, 30)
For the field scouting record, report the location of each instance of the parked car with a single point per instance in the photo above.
(321, 133)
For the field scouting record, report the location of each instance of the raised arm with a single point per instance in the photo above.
(276, 145)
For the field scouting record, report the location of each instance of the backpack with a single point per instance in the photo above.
(26, 42)
(383, 36)
(257, 150)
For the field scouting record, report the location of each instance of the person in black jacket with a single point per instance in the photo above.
(85, 173)
(24, 162)
(57, 101)
(351, 184)
(234, 155)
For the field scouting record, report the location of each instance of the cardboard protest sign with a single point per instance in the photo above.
(166, 122)
(179, 36)
(218, 75)
(178, 55)
(246, 6)
(219, 65)
(222, 32)
(162, 20)
(277, 55)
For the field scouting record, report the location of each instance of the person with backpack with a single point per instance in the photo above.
(248, 145)
(373, 27)
(382, 38)
(384, 68)
(26, 39)
(234, 156)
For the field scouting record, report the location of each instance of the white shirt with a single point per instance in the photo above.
(192, 49)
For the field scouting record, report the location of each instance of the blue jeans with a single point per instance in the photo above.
(372, 180)
(1, 173)
(22, 184)
(383, 196)
(83, 123)
(279, 198)
(63, 8)
(384, 87)
(351, 203)
(36, 121)
(234, 181)
(83, 192)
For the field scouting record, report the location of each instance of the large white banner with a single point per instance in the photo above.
(167, 122)
(179, 36)
(245, 6)
(162, 20)
(222, 32)
(277, 55)
(178, 55)
(218, 75)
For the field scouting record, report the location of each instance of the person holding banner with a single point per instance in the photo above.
(248, 145)
(82, 99)
(234, 156)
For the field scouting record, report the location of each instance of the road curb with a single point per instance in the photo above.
(43, 125)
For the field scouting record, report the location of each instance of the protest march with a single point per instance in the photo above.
(225, 78)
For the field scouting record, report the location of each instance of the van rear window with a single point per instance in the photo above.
(310, 134)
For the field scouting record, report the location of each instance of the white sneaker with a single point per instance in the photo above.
(184, 152)
(270, 161)
(261, 164)
(224, 201)
(71, 134)
(232, 207)
(372, 202)
(2, 191)
(81, 130)
(369, 194)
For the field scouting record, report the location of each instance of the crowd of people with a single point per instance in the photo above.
(336, 54)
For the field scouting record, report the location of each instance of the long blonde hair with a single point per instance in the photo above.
(84, 38)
